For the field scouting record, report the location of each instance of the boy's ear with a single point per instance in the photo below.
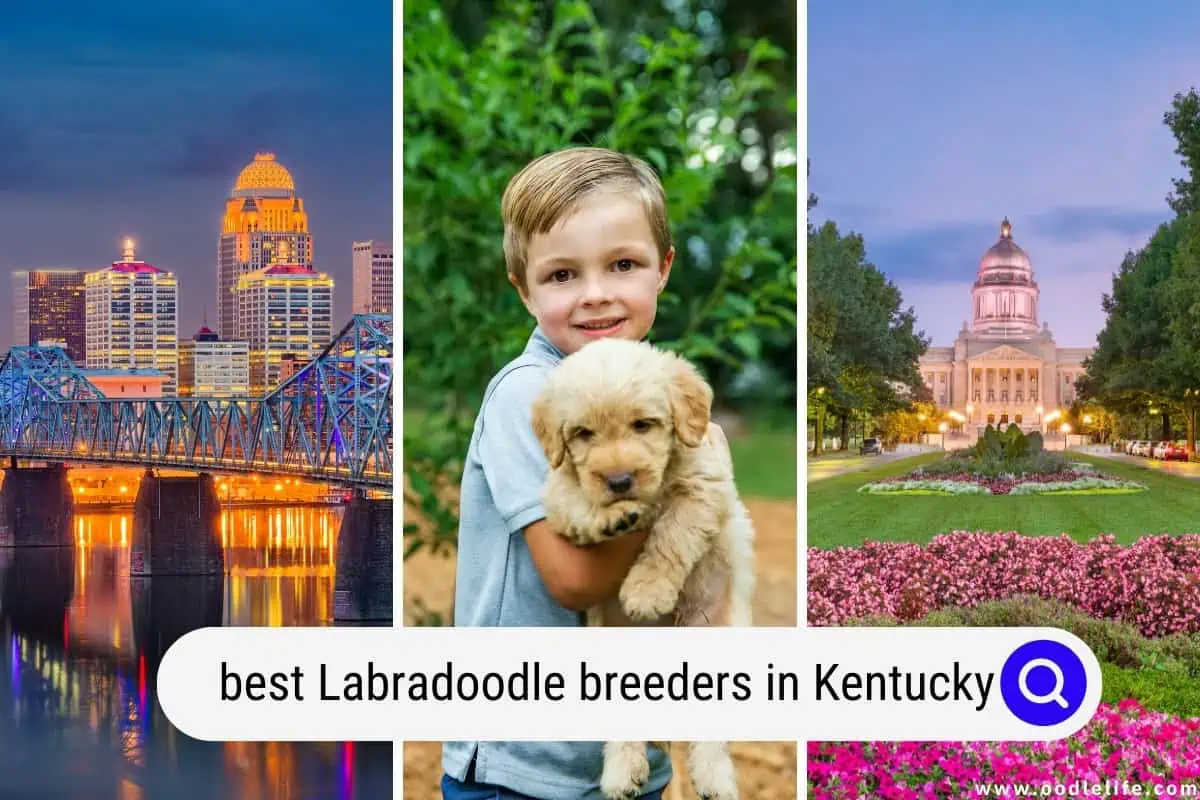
(691, 403)
(664, 269)
(548, 430)
(521, 292)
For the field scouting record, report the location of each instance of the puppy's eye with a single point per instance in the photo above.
(643, 425)
(582, 434)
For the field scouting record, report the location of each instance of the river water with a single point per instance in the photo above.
(81, 645)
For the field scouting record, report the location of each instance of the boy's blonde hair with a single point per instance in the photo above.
(551, 186)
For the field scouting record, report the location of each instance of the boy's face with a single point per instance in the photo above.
(595, 274)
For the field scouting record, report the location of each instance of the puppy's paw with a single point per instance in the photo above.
(715, 780)
(646, 600)
(620, 517)
(624, 777)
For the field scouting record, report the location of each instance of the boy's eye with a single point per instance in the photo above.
(560, 275)
(626, 264)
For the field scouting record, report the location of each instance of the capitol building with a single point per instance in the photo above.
(1004, 367)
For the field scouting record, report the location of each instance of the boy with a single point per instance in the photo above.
(588, 249)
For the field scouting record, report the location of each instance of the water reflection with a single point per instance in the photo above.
(82, 642)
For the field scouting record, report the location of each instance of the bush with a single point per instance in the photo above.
(994, 463)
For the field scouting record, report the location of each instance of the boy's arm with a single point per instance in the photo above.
(581, 577)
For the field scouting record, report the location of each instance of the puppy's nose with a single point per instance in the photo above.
(620, 482)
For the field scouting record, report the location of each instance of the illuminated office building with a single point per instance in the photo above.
(372, 277)
(209, 367)
(283, 309)
(131, 318)
(48, 308)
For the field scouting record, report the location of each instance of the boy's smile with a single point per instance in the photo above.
(600, 328)
(596, 273)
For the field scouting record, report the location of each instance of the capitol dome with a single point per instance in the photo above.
(264, 177)
(1004, 299)
(1005, 256)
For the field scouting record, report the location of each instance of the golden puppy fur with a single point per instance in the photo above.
(624, 426)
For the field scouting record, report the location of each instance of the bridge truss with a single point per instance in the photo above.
(331, 421)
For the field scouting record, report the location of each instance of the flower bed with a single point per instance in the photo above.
(1153, 584)
(1075, 480)
(1121, 743)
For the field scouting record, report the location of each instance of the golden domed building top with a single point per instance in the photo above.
(264, 177)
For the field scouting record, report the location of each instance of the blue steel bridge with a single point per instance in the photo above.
(331, 421)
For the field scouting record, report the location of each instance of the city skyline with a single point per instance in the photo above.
(134, 120)
(945, 119)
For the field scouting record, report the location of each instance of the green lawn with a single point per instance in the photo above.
(838, 515)
(764, 462)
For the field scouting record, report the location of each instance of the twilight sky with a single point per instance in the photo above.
(134, 117)
(929, 122)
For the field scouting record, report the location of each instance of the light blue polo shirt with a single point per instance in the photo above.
(498, 585)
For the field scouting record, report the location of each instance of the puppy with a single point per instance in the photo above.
(624, 426)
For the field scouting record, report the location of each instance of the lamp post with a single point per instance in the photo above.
(942, 426)
(1066, 429)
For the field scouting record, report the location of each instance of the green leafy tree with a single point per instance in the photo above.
(1148, 354)
(863, 345)
(537, 78)
(1183, 119)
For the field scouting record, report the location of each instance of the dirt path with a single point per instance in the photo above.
(767, 770)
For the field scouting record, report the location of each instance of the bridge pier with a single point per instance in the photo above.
(362, 588)
(175, 524)
(36, 507)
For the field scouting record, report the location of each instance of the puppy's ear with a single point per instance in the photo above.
(548, 430)
(691, 403)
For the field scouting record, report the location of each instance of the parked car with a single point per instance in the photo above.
(1174, 451)
(871, 447)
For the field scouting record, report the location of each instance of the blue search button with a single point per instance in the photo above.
(1043, 682)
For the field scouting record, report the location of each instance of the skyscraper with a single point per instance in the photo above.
(48, 306)
(283, 309)
(372, 278)
(265, 224)
(132, 320)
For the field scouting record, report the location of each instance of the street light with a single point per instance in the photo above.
(942, 427)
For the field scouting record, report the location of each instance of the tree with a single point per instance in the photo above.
(863, 345)
(1127, 372)
(1184, 121)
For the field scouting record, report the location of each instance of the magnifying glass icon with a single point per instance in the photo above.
(1054, 695)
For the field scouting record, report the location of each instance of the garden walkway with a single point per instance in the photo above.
(827, 466)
